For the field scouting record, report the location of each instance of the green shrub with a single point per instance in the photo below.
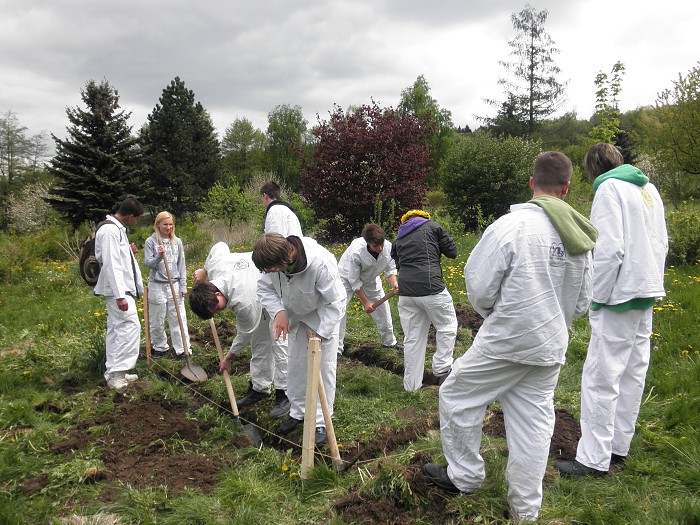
(485, 174)
(683, 235)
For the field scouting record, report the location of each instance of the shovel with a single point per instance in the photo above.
(194, 373)
(250, 430)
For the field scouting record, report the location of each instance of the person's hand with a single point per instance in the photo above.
(183, 294)
(368, 307)
(134, 248)
(225, 364)
(200, 275)
(280, 326)
(160, 248)
(122, 304)
(395, 287)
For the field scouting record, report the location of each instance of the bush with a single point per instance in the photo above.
(484, 175)
(683, 235)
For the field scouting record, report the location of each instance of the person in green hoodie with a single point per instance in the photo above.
(628, 277)
(529, 277)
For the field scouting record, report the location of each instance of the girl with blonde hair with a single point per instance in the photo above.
(160, 296)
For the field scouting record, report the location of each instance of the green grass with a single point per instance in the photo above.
(51, 352)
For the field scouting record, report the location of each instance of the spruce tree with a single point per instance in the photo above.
(181, 150)
(96, 166)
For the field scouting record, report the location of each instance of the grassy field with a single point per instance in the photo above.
(168, 452)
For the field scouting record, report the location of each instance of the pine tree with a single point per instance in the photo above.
(534, 93)
(181, 152)
(96, 167)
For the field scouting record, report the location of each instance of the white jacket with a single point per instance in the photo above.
(282, 220)
(629, 257)
(528, 289)
(236, 277)
(117, 261)
(357, 266)
(314, 296)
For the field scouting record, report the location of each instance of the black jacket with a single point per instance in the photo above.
(417, 255)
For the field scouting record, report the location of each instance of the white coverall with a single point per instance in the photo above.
(528, 289)
(628, 263)
(359, 269)
(160, 296)
(236, 277)
(314, 299)
(120, 278)
(282, 220)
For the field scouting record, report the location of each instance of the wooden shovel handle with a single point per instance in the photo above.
(388, 296)
(227, 378)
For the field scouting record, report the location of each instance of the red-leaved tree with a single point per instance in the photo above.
(369, 165)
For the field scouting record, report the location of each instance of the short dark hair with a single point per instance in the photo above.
(600, 159)
(271, 189)
(271, 251)
(373, 234)
(130, 207)
(551, 171)
(203, 300)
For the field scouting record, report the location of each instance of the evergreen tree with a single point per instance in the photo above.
(534, 93)
(181, 152)
(96, 167)
(243, 149)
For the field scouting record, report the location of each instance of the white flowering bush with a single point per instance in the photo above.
(29, 211)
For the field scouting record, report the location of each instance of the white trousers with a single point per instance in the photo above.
(381, 316)
(296, 378)
(268, 363)
(526, 394)
(416, 314)
(160, 304)
(612, 384)
(123, 336)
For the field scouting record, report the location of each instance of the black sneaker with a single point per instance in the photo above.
(158, 355)
(321, 436)
(441, 377)
(616, 459)
(574, 469)
(282, 405)
(288, 425)
(437, 475)
(251, 397)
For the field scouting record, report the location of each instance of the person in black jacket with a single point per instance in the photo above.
(423, 297)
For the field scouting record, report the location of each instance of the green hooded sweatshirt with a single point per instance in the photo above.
(626, 172)
(577, 233)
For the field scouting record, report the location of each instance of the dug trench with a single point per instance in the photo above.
(149, 442)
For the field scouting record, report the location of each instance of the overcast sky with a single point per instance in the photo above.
(244, 57)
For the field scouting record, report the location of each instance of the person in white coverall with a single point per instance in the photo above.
(628, 277)
(279, 215)
(302, 291)
(360, 266)
(529, 277)
(423, 296)
(120, 284)
(160, 296)
(232, 283)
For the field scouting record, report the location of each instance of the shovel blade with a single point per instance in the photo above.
(253, 433)
(194, 373)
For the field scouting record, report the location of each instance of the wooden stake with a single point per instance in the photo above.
(313, 374)
(332, 443)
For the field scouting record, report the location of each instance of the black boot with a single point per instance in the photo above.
(251, 397)
(281, 407)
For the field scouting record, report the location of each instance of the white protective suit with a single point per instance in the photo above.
(236, 277)
(359, 269)
(314, 299)
(280, 219)
(628, 263)
(120, 278)
(160, 296)
(528, 288)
